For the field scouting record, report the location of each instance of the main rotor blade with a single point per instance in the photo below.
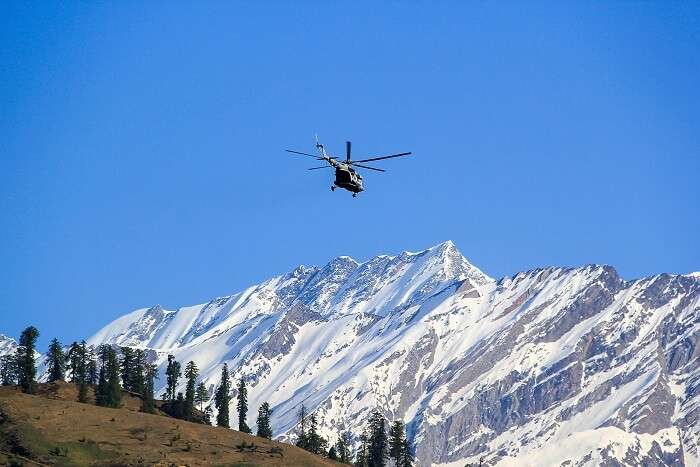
(322, 167)
(384, 157)
(347, 151)
(367, 167)
(304, 154)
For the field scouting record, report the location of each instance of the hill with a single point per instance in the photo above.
(49, 428)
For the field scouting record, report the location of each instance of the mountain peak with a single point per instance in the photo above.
(7, 345)
(455, 264)
(342, 261)
(448, 250)
(445, 246)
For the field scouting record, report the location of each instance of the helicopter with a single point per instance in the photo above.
(346, 176)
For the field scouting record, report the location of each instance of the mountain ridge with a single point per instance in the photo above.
(503, 369)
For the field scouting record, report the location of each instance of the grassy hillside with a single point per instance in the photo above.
(51, 429)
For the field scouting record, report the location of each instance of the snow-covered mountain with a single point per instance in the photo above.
(7, 345)
(549, 366)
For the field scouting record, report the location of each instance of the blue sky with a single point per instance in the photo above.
(142, 143)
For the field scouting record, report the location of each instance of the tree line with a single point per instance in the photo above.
(110, 372)
(106, 369)
(377, 445)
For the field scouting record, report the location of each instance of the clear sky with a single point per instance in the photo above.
(141, 143)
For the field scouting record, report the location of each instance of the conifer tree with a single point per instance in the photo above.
(303, 440)
(8, 370)
(80, 371)
(379, 444)
(399, 447)
(108, 392)
(137, 374)
(178, 407)
(91, 359)
(264, 413)
(101, 389)
(26, 368)
(115, 390)
(396, 437)
(150, 372)
(242, 406)
(56, 362)
(222, 397)
(126, 367)
(201, 395)
(332, 454)
(72, 360)
(342, 447)
(191, 373)
(363, 456)
(172, 374)
(83, 391)
(406, 456)
(314, 442)
(207, 415)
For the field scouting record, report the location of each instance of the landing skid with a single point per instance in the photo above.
(333, 187)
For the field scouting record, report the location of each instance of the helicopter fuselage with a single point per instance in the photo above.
(347, 178)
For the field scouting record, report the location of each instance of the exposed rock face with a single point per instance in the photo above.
(554, 366)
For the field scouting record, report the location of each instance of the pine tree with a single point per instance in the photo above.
(78, 359)
(108, 392)
(406, 456)
(342, 447)
(26, 368)
(56, 362)
(363, 455)
(138, 377)
(126, 367)
(332, 454)
(303, 440)
(115, 390)
(83, 392)
(264, 413)
(101, 392)
(72, 360)
(201, 395)
(8, 370)
(80, 371)
(172, 373)
(191, 373)
(178, 407)
(150, 372)
(91, 359)
(242, 406)
(396, 437)
(222, 397)
(378, 446)
(314, 441)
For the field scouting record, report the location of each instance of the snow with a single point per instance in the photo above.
(586, 448)
(400, 332)
(7, 345)
(116, 328)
